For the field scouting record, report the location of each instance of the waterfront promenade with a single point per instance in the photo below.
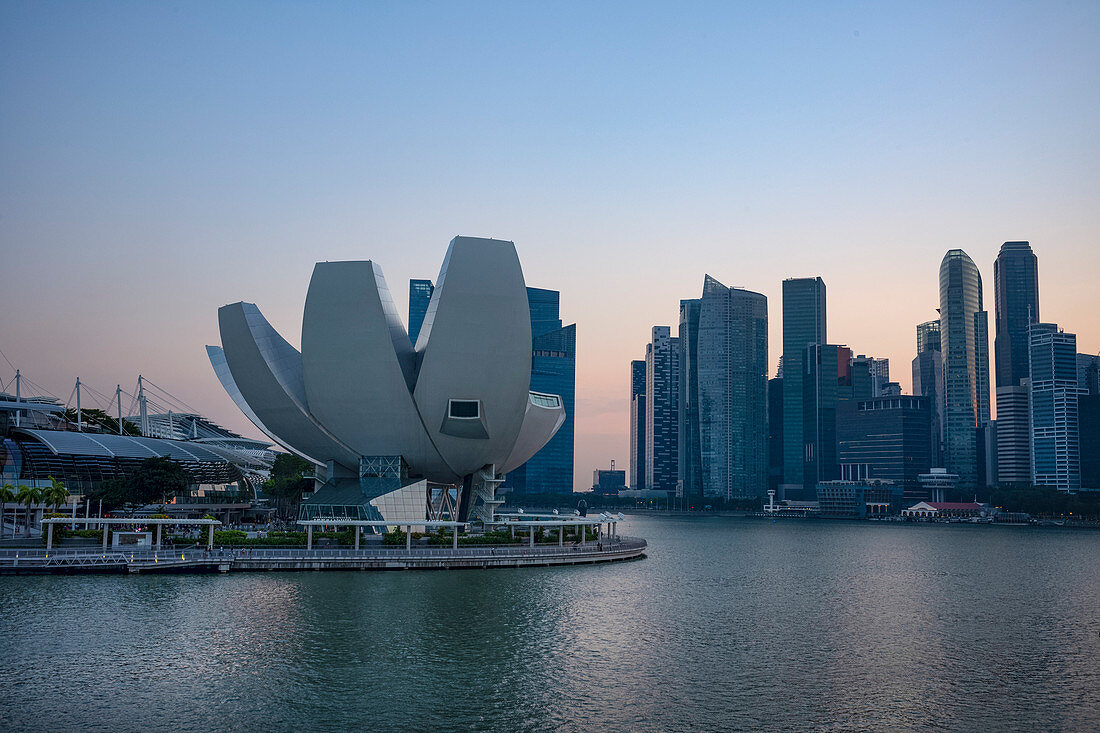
(243, 559)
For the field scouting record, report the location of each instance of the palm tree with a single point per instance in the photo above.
(56, 494)
(28, 497)
(7, 495)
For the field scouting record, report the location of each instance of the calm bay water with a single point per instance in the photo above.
(729, 624)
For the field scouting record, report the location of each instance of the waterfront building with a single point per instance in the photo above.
(928, 381)
(1014, 434)
(637, 424)
(870, 376)
(1055, 445)
(553, 371)
(965, 346)
(948, 510)
(662, 382)
(775, 433)
(1088, 432)
(1016, 304)
(885, 438)
(826, 381)
(689, 449)
(420, 295)
(804, 324)
(732, 392)
(858, 499)
(385, 416)
(938, 484)
(608, 482)
(928, 336)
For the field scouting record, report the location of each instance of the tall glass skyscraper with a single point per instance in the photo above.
(964, 337)
(1055, 440)
(637, 424)
(723, 411)
(553, 371)
(928, 382)
(690, 472)
(1016, 304)
(803, 325)
(420, 295)
(662, 382)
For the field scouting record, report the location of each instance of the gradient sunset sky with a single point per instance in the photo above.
(158, 160)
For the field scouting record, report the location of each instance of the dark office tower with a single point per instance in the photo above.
(775, 433)
(1088, 433)
(1055, 437)
(733, 391)
(1016, 304)
(886, 438)
(553, 371)
(825, 371)
(803, 325)
(1088, 373)
(928, 382)
(420, 295)
(637, 424)
(928, 336)
(965, 397)
(690, 473)
(662, 388)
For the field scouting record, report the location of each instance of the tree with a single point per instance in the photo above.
(7, 495)
(56, 494)
(291, 476)
(28, 497)
(155, 481)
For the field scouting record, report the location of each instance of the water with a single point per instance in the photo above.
(728, 624)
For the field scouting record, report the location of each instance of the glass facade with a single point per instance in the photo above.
(732, 391)
(803, 325)
(662, 381)
(1016, 304)
(690, 460)
(420, 295)
(928, 336)
(885, 438)
(1055, 437)
(637, 424)
(553, 372)
(826, 379)
(965, 366)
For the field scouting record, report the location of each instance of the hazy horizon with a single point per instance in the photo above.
(157, 163)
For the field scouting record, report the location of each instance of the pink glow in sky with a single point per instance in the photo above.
(158, 162)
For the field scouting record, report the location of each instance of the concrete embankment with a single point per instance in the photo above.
(264, 559)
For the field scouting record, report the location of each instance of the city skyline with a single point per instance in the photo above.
(806, 144)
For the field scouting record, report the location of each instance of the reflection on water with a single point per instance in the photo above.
(729, 624)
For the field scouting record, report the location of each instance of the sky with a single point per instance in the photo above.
(159, 160)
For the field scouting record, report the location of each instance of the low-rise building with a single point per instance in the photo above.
(948, 510)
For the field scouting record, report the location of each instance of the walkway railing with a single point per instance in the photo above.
(40, 557)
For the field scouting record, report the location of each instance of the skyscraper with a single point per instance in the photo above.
(1016, 304)
(928, 382)
(963, 328)
(637, 424)
(803, 325)
(553, 371)
(420, 295)
(732, 357)
(826, 381)
(662, 383)
(1055, 438)
(690, 472)
(885, 438)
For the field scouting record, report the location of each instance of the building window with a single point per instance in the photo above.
(466, 409)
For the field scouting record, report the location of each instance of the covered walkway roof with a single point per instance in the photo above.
(107, 445)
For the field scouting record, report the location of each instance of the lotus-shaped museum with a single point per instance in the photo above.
(393, 421)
